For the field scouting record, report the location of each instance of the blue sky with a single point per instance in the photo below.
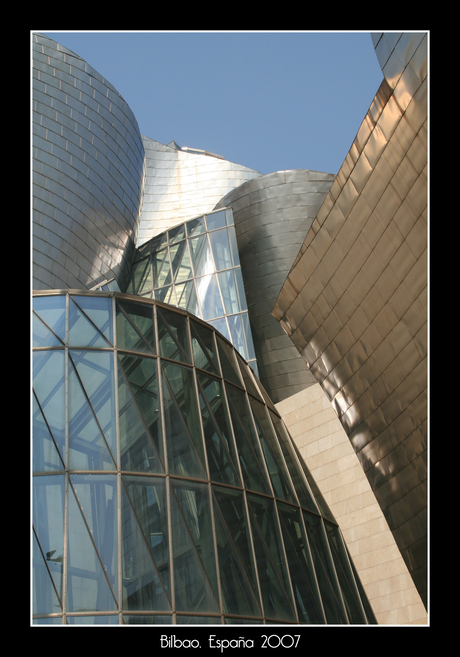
(267, 100)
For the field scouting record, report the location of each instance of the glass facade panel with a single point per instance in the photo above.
(144, 544)
(48, 507)
(49, 390)
(182, 425)
(139, 412)
(135, 328)
(332, 603)
(220, 450)
(166, 488)
(49, 321)
(196, 266)
(270, 560)
(249, 450)
(92, 559)
(305, 587)
(195, 576)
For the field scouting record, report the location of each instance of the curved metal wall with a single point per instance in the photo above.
(355, 302)
(180, 185)
(88, 160)
(272, 216)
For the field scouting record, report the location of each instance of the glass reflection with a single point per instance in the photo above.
(271, 565)
(48, 550)
(195, 575)
(213, 524)
(92, 546)
(145, 540)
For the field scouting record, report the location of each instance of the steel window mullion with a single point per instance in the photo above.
(311, 561)
(118, 464)
(66, 463)
(166, 467)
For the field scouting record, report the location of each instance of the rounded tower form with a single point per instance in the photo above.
(88, 160)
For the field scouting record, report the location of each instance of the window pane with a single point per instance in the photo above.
(196, 226)
(222, 458)
(161, 268)
(173, 335)
(135, 328)
(195, 577)
(141, 441)
(216, 220)
(88, 449)
(240, 288)
(51, 325)
(83, 332)
(185, 445)
(48, 382)
(326, 578)
(45, 450)
(176, 234)
(99, 311)
(203, 348)
(166, 295)
(298, 479)
(230, 369)
(187, 298)
(221, 249)
(95, 370)
(248, 335)
(145, 544)
(48, 520)
(237, 333)
(300, 566)
(142, 276)
(246, 441)
(345, 575)
(92, 555)
(229, 291)
(271, 566)
(180, 262)
(233, 246)
(236, 565)
(201, 256)
(272, 452)
(209, 297)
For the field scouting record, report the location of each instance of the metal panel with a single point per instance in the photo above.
(89, 153)
(272, 215)
(180, 185)
(359, 317)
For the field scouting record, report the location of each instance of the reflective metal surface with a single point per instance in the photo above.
(88, 161)
(166, 487)
(272, 216)
(181, 184)
(355, 302)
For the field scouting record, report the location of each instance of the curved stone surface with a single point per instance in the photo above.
(272, 216)
(355, 302)
(180, 185)
(88, 163)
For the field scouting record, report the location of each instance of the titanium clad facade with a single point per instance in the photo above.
(355, 302)
(180, 185)
(272, 216)
(166, 488)
(88, 168)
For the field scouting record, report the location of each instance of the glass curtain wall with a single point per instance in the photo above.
(166, 489)
(196, 266)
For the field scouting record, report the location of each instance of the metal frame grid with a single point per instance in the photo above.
(132, 521)
(171, 269)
